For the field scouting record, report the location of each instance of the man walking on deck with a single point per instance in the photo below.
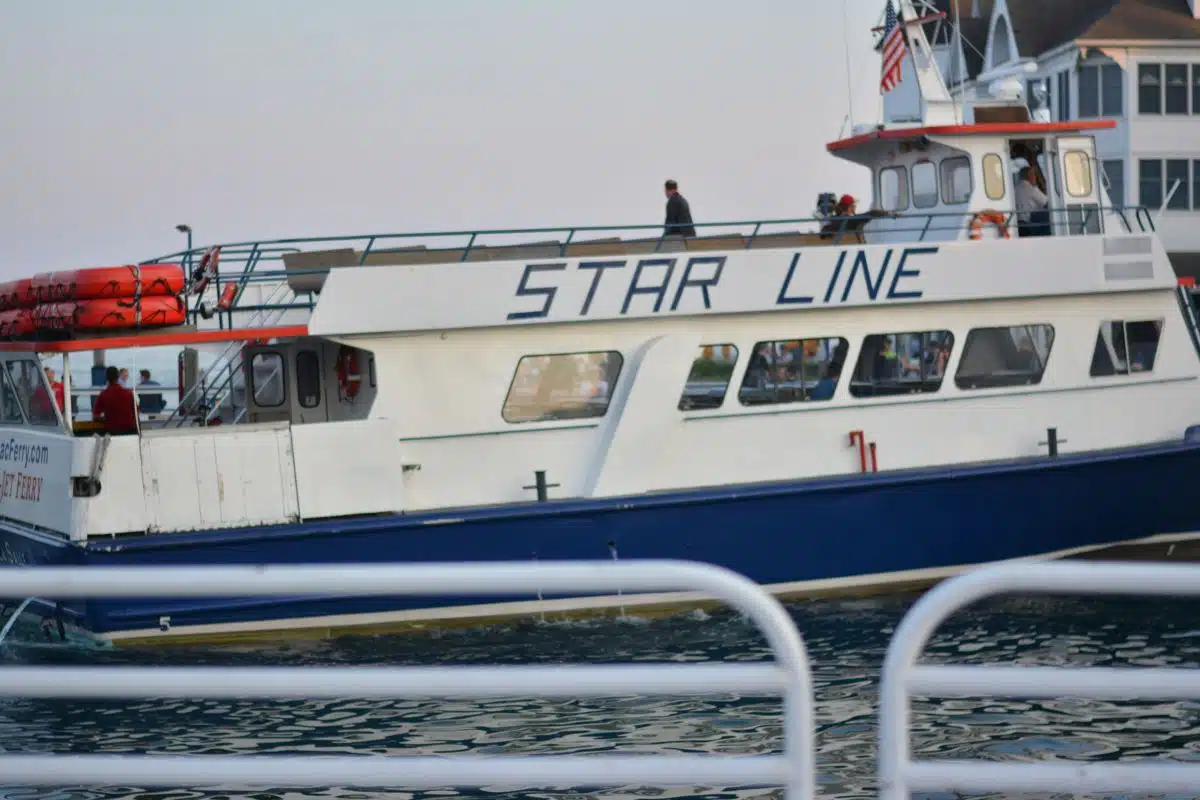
(679, 213)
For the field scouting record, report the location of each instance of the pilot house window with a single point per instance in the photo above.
(308, 378)
(36, 400)
(994, 180)
(709, 377)
(793, 371)
(924, 185)
(1123, 348)
(902, 363)
(266, 380)
(956, 180)
(1012, 356)
(562, 386)
(1079, 173)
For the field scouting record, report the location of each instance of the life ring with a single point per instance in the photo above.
(206, 270)
(349, 378)
(992, 216)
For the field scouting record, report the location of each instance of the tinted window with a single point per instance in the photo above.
(1150, 88)
(308, 378)
(1013, 356)
(709, 377)
(956, 180)
(35, 397)
(902, 363)
(793, 371)
(1124, 348)
(563, 386)
(924, 185)
(266, 380)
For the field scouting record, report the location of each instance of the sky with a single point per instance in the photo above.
(259, 119)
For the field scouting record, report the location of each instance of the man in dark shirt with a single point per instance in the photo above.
(114, 406)
(679, 213)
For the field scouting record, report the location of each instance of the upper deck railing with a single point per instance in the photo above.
(263, 262)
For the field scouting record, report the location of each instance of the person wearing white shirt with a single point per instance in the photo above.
(1032, 215)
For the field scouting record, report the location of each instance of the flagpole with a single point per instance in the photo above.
(846, 48)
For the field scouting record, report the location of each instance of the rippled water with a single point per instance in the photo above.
(846, 640)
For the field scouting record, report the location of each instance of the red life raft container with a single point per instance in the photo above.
(17, 294)
(16, 322)
(112, 313)
(99, 283)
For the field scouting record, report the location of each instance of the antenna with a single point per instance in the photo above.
(846, 48)
(958, 69)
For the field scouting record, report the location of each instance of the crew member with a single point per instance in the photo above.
(114, 406)
(679, 213)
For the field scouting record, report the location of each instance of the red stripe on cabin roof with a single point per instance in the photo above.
(994, 128)
(156, 339)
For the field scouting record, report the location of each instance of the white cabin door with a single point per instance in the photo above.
(1075, 162)
(308, 390)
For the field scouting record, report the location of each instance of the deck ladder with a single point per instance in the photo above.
(788, 675)
(902, 677)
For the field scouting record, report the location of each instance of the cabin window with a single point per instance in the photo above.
(1124, 348)
(371, 371)
(1078, 168)
(893, 189)
(709, 377)
(902, 363)
(562, 386)
(956, 180)
(308, 378)
(924, 185)
(267, 380)
(793, 371)
(32, 393)
(1012, 356)
(10, 405)
(994, 180)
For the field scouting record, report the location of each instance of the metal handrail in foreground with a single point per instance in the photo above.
(902, 677)
(789, 676)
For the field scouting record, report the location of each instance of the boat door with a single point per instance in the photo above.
(308, 402)
(267, 376)
(1075, 169)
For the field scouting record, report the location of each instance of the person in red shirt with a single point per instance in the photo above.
(114, 406)
(58, 390)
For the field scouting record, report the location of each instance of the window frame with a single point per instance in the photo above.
(283, 379)
(982, 383)
(35, 368)
(569, 420)
(6, 384)
(936, 183)
(1143, 68)
(901, 194)
(946, 178)
(1002, 172)
(1128, 371)
(1185, 90)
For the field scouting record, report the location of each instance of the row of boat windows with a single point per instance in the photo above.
(580, 385)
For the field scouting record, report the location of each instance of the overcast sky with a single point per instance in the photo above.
(256, 119)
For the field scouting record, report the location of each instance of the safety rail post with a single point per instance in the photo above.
(788, 676)
(902, 677)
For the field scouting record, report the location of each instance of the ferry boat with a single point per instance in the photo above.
(824, 405)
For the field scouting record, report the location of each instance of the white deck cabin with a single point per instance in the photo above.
(366, 378)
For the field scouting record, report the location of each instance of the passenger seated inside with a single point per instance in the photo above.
(846, 218)
(114, 407)
(1033, 216)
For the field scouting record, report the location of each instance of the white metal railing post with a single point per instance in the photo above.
(789, 676)
(902, 677)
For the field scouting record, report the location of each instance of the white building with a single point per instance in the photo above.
(1135, 61)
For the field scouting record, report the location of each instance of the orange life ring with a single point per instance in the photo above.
(992, 216)
(349, 378)
(206, 271)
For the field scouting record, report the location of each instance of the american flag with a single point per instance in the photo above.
(892, 50)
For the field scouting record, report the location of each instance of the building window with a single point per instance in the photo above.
(1013, 356)
(1158, 177)
(308, 378)
(1196, 183)
(1078, 169)
(893, 188)
(1114, 174)
(902, 363)
(562, 386)
(1196, 88)
(793, 371)
(1176, 88)
(994, 179)
(1150, 189)
(1177, 172)
(1123, 348)
(1149, 88)
(709, 377)
(267, 380)
(956, 180)
(924, 185)
(1100, 91)
(1064, 96)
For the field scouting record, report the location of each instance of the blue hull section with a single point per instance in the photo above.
(772, 533)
